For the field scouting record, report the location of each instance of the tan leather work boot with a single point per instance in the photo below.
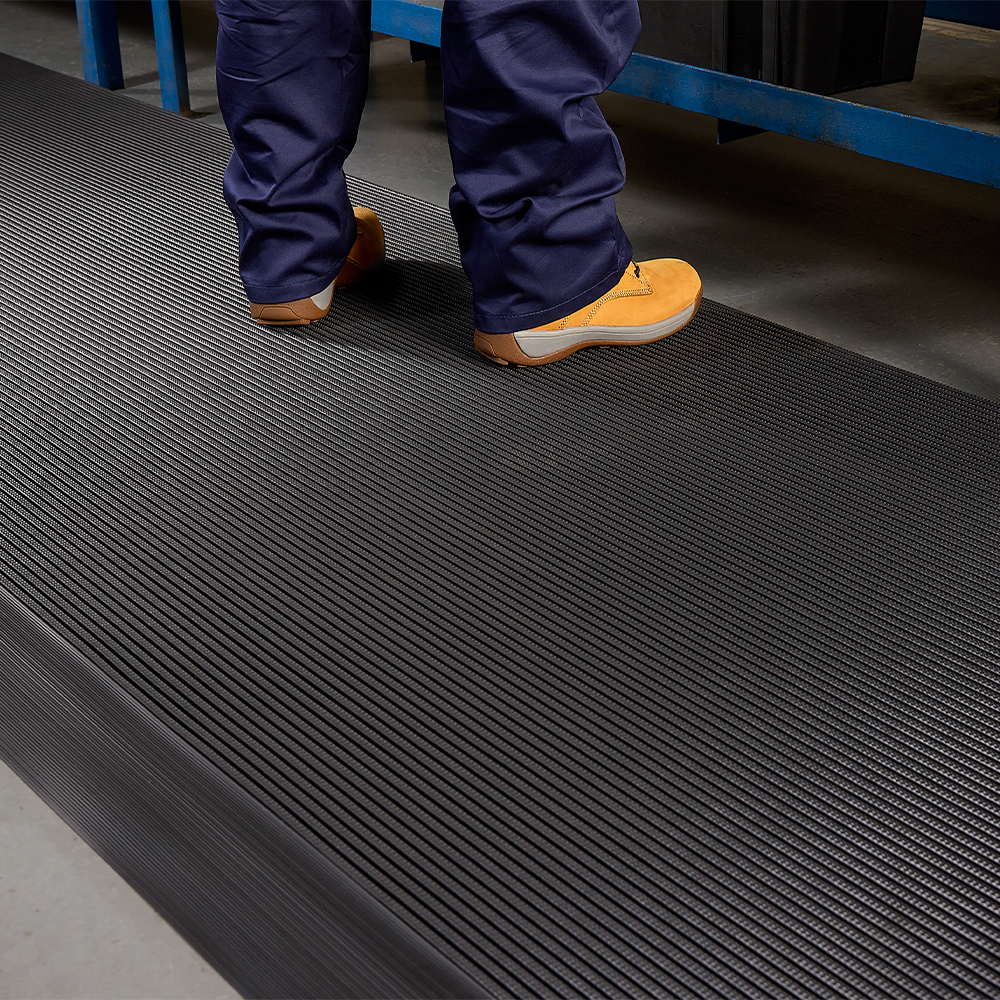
(367, 255)
(652, 300)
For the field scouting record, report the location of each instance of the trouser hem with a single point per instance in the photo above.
(488, 323)
(270, 294)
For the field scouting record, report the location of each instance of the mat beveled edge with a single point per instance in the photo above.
(267, 909)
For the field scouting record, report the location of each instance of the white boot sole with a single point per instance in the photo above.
(539, 343)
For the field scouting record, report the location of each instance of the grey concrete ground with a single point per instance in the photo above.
(889, 261)
(70, 927)
(956, 80)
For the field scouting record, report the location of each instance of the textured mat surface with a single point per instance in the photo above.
(669, 671)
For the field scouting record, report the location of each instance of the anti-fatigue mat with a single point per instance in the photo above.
(386, 671)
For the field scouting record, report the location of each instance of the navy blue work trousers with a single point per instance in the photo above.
(536, 165)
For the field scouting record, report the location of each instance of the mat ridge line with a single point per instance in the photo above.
(57, 716)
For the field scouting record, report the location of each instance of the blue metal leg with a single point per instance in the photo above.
(102, 58)
(170, 55)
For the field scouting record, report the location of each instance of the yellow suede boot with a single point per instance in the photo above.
(652, 300)
(367, 255)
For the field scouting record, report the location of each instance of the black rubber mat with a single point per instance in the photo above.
(382, 670)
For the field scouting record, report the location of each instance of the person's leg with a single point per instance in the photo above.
(292, 78)
(536, 172)
(536, 165)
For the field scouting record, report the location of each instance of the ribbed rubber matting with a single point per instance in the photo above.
(670, 671)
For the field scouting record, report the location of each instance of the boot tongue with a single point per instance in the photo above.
(633, 278)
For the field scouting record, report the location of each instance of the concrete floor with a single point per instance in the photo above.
(955, 82)
(71, 927)
(886, 260)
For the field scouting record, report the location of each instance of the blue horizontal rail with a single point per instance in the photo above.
(887, 135)
(406, 19)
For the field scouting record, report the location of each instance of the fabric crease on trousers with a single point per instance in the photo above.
(536, 165)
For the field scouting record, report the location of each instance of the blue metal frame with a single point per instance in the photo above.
(170, 55)
(887, 135)
(406, 19)
(102, 61)
(749, 104)
(102, 57)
